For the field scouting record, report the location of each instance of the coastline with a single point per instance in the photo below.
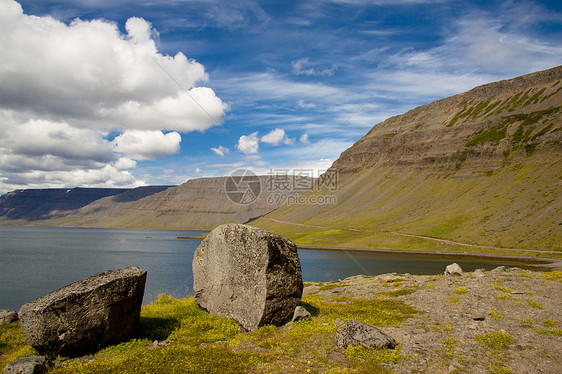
(541, 263)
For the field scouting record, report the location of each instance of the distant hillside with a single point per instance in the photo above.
(197, 204)
(41, 204)
(482, 169)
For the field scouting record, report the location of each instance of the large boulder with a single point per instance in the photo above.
(85, 315)
(247, 274)
(355, 332)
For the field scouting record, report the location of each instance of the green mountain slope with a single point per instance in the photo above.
(476, 172)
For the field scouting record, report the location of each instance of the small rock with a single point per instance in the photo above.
(479, 273)
(338, 321)
(27, 365)
(453, 269)
(300, 314)
(7, 316)
(419, 331)
(479, 317)
(355, 332)
(498, 269)
(388, 278)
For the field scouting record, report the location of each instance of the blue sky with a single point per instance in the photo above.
(125, 93)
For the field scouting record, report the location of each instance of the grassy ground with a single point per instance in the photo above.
(202, 343)
(513, 210)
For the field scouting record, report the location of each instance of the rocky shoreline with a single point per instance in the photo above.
(502, 321)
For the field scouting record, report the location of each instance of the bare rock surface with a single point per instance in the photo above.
(300, 314)
(27, 365)
(247, 274)
(453, 269)
(505, 320)
(85, 315)
(355, 332)
(7, 316)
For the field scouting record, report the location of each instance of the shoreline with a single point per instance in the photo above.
(548, 264)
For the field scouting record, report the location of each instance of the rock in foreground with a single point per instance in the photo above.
(7, 316)
(27, 365)
(355, 332)
(247, 274)
(85, 315)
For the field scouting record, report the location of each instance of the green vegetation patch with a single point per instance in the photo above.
(13, 344)
(397, 293)
(460, 290)
(555, 332)
(392, 356)
(492, 134)
(168, 317)
(495, 340)
(171, 359)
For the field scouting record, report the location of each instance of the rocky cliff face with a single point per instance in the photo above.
(473, 132)
(482, 169)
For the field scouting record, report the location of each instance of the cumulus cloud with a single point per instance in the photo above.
(147, 145)
(248, 144)
(304, 67)
(125, 163)
(276, 137)
(220, 150)
(66, 86)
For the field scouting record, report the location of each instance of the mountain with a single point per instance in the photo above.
(41, 204)
(477, 172)
(198, 204)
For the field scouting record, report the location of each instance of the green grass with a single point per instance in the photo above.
(203, 343)
(13, 344)
(495, 340)
(555, 332)
(460, 290)
(495, 315)
(534, 304)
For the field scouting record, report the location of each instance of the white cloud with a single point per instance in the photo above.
(147, 145)
(220, 150)
(304, 139)
(304, 67)
(66, 86)
(276, 137)
(248, 144)
(125, 163)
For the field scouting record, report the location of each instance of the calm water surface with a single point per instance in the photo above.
(37, 260)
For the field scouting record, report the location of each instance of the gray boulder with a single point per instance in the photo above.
(300, 314)
(355, 332)
(247, 274)
(85, 315)
(453, 269)
(7, 316)
(27, 365)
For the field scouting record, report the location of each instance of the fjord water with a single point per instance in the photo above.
(37, 260)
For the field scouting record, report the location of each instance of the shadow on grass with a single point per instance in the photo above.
(156, 328)
(311, 308)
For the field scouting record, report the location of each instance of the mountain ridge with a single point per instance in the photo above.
(480, 168)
